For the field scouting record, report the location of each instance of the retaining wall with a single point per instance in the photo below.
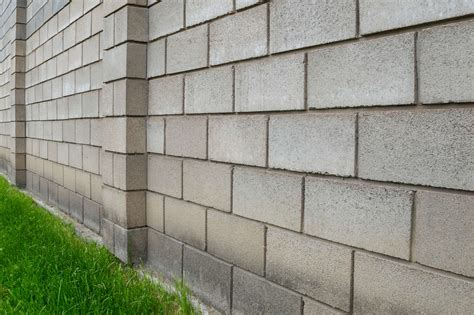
(281, 156)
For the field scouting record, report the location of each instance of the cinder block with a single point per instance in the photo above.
(155, 133)
(166, 95)
(186, 136)
(166, 17)
(126, 60)
(240, 4)
(43, 191)
(129, 171)
(418, 147)
(187, 50)
(270, 84)
(124, 208)
(130, 97)
(63, 199)
(446, 60)
(444, 237)
(373, 217)
(92, 215)
(83, 27)
(155, 211)
(63, 153)
(96, 132)
(53, 193)
(90, 104)
(165, 255)
(156, 55)
(131, 23)
(308, 23)
(316, 268)
(83, 131)
(112, 6)
(108, 37)
(186, 222)
(207, 183)
(312, 307)
(96, 188)
(70, 178)
(270, 197)
(209, 278)
(58, 174)
(83, 183)
(75, 57)
(107, 232)
(407, 289)
(239, 36)
(165, 175)
(323, 143)
(124, 134)
(74, 106)
(237, 240)
(254, 295)
(90, 156)
(130, 245)
(209, 91)
(75, 155)
(107, 167)
(75, 206)
(201, 11)
(69, 130)
(376, 16)
(366, 73)
(238, 139)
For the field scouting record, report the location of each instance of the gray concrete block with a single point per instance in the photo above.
(165, 255)
(76, 206)
(418, 147)
(186, 222)
(254, 295)
(445, 63)
(131, 23)
(270, 84)
(383, 286)
(307, 23)
(107, 233)
(187, 136)
(366, 73)
(198, 11)
(376, 16)
(323, 143)
(209, 278)
(239, 36)
(155, 133)
(241, 4)
(129, 171)
(238, 139)
(165, 175)
(92, 215)
(155, 208)
(444, 234)
(209, 91)
(156, 54)
(267, 196)
(124, 208)
(165, 95)
(207, 183)
(187, 50)
(63, 199)
(166, 17)
(237, 240)
(130, 97)
(310, 266)
(124, 134)
(372, 217)
(130, 245)
(312, 307)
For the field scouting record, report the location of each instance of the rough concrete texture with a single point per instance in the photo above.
(446, 60)
(165, 255)
(237, 240)
(186, 222)
(418, 147)
(92, 215)
(310, 22)
(156, 54)
(312, 307)
(201, 11)
(376, 16)
(240, 36)
(155, 211)
(187, 50)
(255, 295)
(238, 139)
(313, 143)
(268, 196)
(209, 91)
(408, 289)
(313, 267)
(209, 278)
(368, 73)
(186, 136)
(372, 217)
(165, 95)
(270, 84)
(165, 175)
(444, 234)
(208, 184)
(155, 133)
(130, 244)
(166, 17)
(117, 202)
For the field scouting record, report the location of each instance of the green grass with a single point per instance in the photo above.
(46, 269)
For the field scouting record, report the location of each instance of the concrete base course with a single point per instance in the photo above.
(282, 157)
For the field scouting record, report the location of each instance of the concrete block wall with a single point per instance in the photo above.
(282, 157)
